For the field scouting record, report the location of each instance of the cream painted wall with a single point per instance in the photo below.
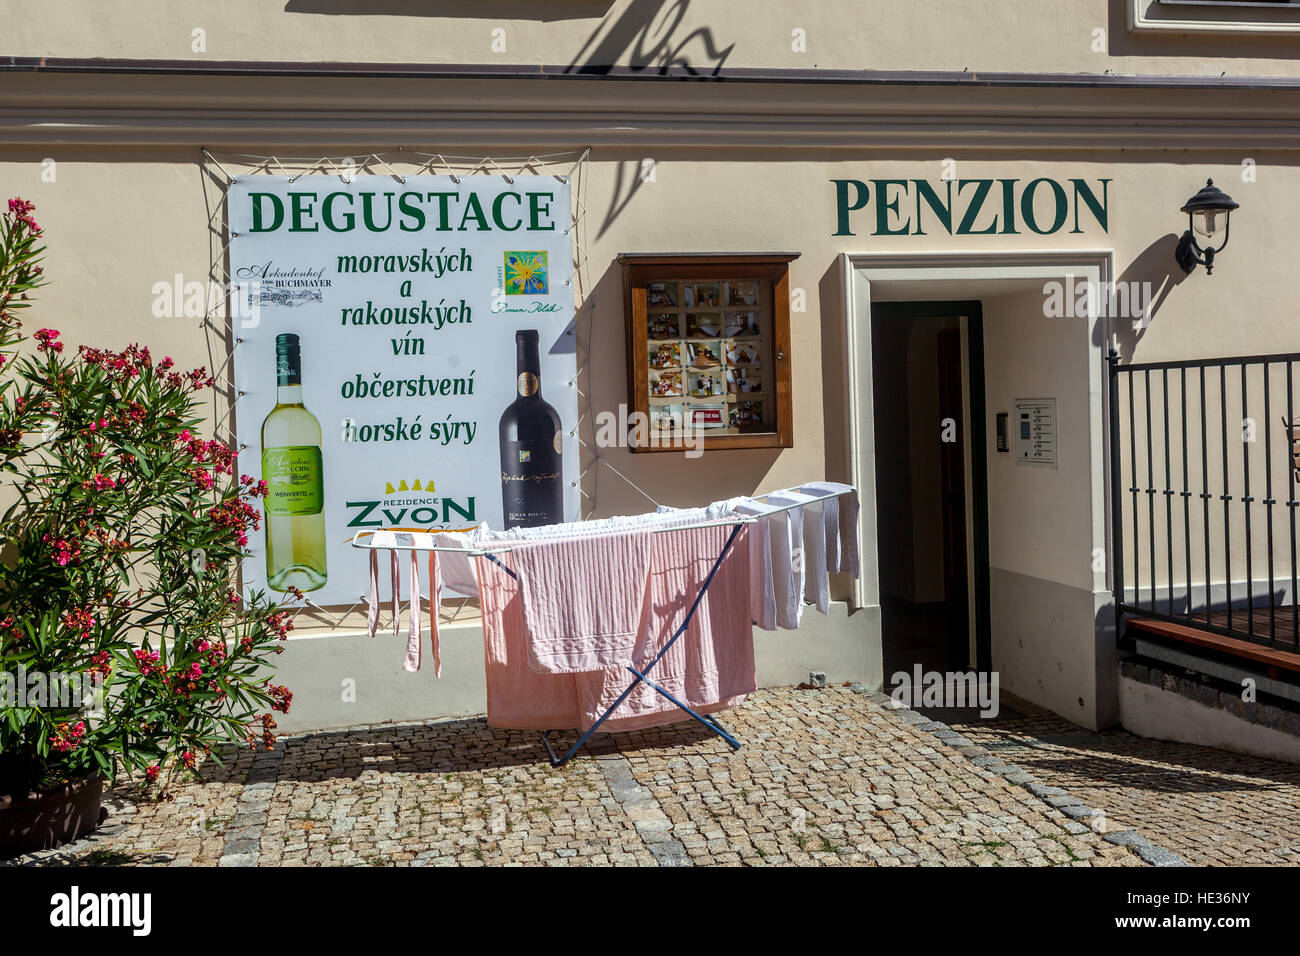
(1013, 35)
(1045, 645)
(119, 220)
(1039, 518)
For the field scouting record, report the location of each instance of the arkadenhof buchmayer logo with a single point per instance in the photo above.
(526, 273)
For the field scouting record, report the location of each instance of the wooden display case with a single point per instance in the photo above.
(709, 348)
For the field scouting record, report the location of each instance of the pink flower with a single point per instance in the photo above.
(202, 478)
(147, 661)
(79, 620)
(101, 663)
(67, 738)
(63, 551)
(21, 210)
(47, 340)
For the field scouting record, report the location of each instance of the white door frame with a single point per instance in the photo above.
(919, 276)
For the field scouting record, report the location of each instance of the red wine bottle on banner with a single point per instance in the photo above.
(532, 489)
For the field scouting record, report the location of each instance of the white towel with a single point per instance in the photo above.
(788, 559)
(762, 602)
(816, 588)
(458, 571)
(841, 517)
(661, 517)
(816, 582)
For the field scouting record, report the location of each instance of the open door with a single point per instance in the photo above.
(927, 365)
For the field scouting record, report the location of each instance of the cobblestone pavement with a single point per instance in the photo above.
(1208, 806)
(826, 777)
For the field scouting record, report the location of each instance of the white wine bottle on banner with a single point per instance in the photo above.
(292, 469)
(532, 490)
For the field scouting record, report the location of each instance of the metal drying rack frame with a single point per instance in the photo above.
(735, 522)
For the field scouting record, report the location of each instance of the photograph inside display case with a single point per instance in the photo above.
(709, 343)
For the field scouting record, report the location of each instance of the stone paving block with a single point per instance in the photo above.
(827, 777)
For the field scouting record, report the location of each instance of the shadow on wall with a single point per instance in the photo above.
(834, 353)
(1155, 272)
(647, 36)
(629, 177)
(456, 9)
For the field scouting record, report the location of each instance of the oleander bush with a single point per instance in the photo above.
(120, 543)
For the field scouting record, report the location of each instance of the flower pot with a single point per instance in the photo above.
(43, 821)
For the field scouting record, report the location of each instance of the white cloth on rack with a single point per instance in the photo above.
(379, 540)
(397, 593)
(816, 582)
(762, 603)
(435, 607)
(458, 572)
(841, 517)
(661, 517)
(372, 598)
(786, 530)
(811, 557)
(414, 637)
(412, 661)
(793, 545)
(382, 540)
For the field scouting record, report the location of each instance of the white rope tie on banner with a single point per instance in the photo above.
(395, 174)
(606, 463)
(509, 179)
(333, 620)
(214, 161)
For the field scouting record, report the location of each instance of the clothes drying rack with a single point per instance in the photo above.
(735, 522)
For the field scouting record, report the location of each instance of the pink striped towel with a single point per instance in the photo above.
(581, 599)
(709, 669)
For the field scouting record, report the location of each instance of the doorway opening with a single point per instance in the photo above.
(927, 363)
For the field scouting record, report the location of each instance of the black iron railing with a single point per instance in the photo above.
(1203, 494)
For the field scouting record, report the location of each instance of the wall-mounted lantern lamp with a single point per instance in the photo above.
(1207, 216)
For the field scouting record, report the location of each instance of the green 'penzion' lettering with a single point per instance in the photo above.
(979, 207)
